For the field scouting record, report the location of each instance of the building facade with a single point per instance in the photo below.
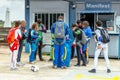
(108, 11)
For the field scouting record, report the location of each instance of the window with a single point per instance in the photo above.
(47, 18)
(106, 18)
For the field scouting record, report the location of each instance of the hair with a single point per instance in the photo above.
(39, 21)
(86, 23)
(99, 23)
(79, 21)
(60, 17)
(34, 25)
(74, 25)
(17, 23)
(23, 21)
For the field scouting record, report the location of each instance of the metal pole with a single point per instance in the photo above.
(27, 18)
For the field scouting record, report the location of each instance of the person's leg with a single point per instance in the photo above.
(87, 55)
(51, 53)
(15, 58)
(55, 55)
(97, 53)
(87, 52)
(20, 51)
(40, 50)
(78, 56)
(72, 55)
(105, 50)
(84, 53)
(33, 50)
(63, 55)
(82, 57)
(36, 53)
(11, 59)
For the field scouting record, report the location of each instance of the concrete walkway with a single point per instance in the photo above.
(47, 73)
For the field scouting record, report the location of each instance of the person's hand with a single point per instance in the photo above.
(25, 31)
(73, 29)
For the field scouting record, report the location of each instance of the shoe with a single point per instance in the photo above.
(63, 67)
(54, 67)
(108, 71)
(77, 65)
(20, 64)
(14, 69)
(84, 65)
(92, 71)
(32, 62)
(11, 69)
(42, 59)
(50, 60)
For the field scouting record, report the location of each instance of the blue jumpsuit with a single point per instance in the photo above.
(68, 47)
(34, 44)
(59, 50)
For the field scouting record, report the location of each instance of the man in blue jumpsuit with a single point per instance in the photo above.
(59, 32)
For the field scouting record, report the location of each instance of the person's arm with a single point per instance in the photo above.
(33, 35)
(99, 38)
(66, 29)
(44, 28)
(18, 34)
(89, 32)
(52, 31)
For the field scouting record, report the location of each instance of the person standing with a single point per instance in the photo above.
(80, 39)
(13, 38)
(88, 32)
(59, 32)
(101, 46)
(21, 42)
(33, 42)
(41, 29)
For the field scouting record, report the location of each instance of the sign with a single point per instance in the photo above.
(97, 5)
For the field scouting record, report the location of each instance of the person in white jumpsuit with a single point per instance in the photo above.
(14, 47)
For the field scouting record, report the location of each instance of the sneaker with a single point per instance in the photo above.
(108, 71)
(54, 67)
(84, 65)
(92, 71)
(42, 59)
(77, 65)
(63, 67)
(13, 69)
(20, 64)
(32, 62)
(16, 69)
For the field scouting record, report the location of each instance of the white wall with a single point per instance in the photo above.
(49, 7)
